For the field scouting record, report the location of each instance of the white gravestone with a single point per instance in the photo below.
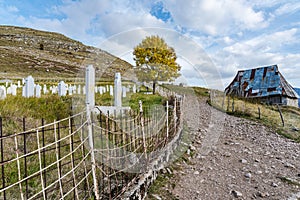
(45, 91)
(38, 91)
(14, 90)
(53, 89)
(134, 88)
(79, 89)
(89, 88)
(70, 90)
(101, 90)
(124, 90)
(29, 87)
(8, 90)
(118, 90)
(2, 92)
(62, 88)
(19, 84)
(74, 89)
(111, 90)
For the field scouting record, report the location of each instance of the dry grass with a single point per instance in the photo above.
(269, 114)
(21, 55)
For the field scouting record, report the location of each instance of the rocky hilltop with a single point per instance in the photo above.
(26, 51)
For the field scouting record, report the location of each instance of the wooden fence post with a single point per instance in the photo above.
(142, 128)
(167, 107)
(282, 120)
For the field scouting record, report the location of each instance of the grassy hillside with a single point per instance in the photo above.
(27, 51)
(268, 115)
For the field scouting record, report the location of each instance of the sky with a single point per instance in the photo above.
(213, 39)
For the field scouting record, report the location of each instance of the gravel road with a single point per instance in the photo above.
(234, 158)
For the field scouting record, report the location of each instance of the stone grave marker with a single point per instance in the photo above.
(62, 89)
(38, 91)
(111, 90)
(70, 91)
(124, 91)
(45, 91)
(89, 88)
(117, 90)
(14, 89)
(100, 90)
(79, 89)
(2, 92)
(29, 87)
(134, 88)
(8, 91)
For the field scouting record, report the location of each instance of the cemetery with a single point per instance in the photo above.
(28, 87)
(127, 121)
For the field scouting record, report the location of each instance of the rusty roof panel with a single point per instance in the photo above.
(260, 82)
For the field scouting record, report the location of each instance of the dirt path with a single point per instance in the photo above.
(233, 158)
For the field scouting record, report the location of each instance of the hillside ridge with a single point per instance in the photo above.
(27, 51)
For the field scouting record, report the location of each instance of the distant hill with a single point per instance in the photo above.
(25, 51)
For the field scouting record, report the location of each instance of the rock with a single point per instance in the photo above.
(259, 172)
(243, 161)
(192, 148)
(169, 171)
(236, 194)
(289, 165)
(188, 152)
(155, 196)
(274, 184)
(263, 194)
(196, 173)
(227, 154)
(248, 175)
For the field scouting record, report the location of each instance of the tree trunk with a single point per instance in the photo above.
(153, 89)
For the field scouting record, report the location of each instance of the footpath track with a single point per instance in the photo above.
(233, 158)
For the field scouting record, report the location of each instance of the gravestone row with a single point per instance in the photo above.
(30, 89)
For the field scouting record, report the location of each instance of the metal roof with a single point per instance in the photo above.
(260, 82)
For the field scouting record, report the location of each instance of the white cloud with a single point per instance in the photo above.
(227, 40)
(288, 8)
(259, 51)
(215, 17)
(12, 9)
(263, 43)
(213, 31)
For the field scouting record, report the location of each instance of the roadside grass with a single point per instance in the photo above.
(165, 180)
(49, 107)
(268, 115)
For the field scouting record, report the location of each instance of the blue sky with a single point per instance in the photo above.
(213, 38)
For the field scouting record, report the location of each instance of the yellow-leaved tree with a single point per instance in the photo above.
(155, 61)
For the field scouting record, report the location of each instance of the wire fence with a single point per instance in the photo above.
(84, 156)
